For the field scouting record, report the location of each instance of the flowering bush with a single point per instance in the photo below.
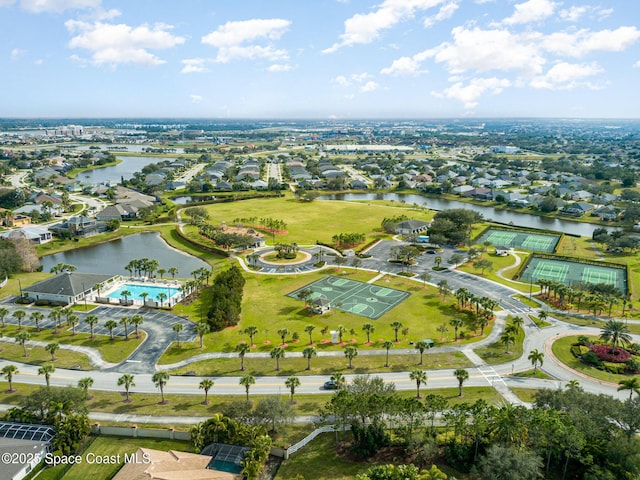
(604, 353)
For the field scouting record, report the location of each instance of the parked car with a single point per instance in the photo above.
(330, 385)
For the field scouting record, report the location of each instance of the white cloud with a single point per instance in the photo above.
(637, 64)
(194, 65)
(279, 67)
(583, 42)
(6, 3)
(469, 94)
(57, 6)
(446, 11)
(575, 13)
(196, 98)
(566, 76)
(365, 28)
(113, 44)
(531, 11)
(370, 86)
(406, 65)
(16, 53)
(483, 50)
(238, 40)
(342, 81)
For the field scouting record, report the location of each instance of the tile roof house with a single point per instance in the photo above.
(411, 227)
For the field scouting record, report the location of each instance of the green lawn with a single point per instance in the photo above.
(265, 301)
(324, 365)
(307, 221)
(112, 351)
(498, 264)
(525, 394)
(13, 352)
(525, 298)
(591, 322)
(496, 352)
(103, 446)
(187, 405)
(538, 374)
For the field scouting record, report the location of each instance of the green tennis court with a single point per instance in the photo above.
(568, 272)
(364, 299)
(525, 240)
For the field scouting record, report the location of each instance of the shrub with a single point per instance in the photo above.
(604, 353)
(42, 302)
(632, 365)
(590, 358)
(616, 368)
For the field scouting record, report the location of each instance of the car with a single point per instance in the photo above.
(330, 385)
(431, 252)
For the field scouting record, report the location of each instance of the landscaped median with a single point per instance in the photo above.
(112, 351)
(562, 350)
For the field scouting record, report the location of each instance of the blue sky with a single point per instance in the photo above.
(319, 58)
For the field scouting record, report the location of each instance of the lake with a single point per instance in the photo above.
(126, 168)
(501, 216)
(111, 257)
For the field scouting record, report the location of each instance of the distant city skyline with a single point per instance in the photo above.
(323, 59)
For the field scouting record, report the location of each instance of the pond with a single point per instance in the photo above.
(183, 200)
(111, 257)
(501, 216)
(125, 169)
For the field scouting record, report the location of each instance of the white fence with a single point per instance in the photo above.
(305, 441)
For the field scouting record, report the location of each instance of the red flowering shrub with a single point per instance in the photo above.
(604, 353)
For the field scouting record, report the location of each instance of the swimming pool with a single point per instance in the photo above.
(152, 290)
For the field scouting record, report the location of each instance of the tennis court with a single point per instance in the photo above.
(568, 272)
(513, 239)
(364, 299)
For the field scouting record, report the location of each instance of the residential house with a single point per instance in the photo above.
(35, 234)
(411, 227)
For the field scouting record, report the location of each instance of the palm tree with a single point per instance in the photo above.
(206, 385)
(632, 384)
(309, 330)
(85, 384)
(292, 383)
(22, 338)
(124, 321)
(368, 328)
(341, 330)
(425, 277)
(19, 315)
(173, 271)
(73, 320)
(91, 320)
(246, 381)
(338, 379)
(3, 313)
(242, 349)
(396, 326)
(536, 357)
(55, 315)
(420, 377)
(36, 317)
(282, 333)
(144, 296)
(350, 351)
(177, 327)
(421, 346)
(125, 294)
(52, 348)
(47, 369)
(161, 272)
(462, 375)
(615, 332)
(308, 353)
(507, 338)
(251, 330)
(277, 353)
(202, 328)
(456, 323)
(136, 321)
(160, 379)
(126, 380)
(542, 315)
(8, 371)
(388, 345)
(110, 325)
(517, 322)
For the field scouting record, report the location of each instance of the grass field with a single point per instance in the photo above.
(307, 221)
(324, 365)
(265, 302)
(112, 351)
(496, 352)
(498, 264)
(13, 352)
(191, 405)
(525, 394)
